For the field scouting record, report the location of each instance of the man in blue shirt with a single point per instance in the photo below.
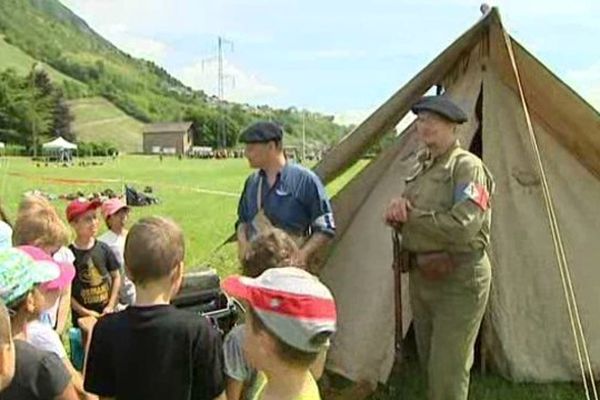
(290, 196)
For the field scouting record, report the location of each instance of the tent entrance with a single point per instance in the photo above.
(476, 146)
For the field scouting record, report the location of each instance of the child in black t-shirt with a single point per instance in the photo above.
(95, 288)
(152, 350)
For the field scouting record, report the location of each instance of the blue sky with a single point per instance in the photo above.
(338, 57)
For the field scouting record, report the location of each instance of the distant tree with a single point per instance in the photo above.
(62, 118)
(40, 79)
(25, 112)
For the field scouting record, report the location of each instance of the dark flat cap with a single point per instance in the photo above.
(260, 132)
(441, 105)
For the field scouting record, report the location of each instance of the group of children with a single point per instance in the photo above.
(139, 346)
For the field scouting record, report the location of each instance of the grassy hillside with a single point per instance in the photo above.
(15, 58)
(49, 32)
(98, 118)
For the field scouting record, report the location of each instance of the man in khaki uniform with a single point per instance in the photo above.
(444, 217)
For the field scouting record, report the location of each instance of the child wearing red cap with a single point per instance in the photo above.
(290, 317)
(95, 288)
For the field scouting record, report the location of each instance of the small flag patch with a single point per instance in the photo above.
(475, 192)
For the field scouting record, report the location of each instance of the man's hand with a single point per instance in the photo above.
(397, 212)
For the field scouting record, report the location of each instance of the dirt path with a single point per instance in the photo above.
(100, 122)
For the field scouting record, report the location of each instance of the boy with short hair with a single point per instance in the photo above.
(39, 225)
(291, 316)
(152, 350)
(95, 288)
(116, 214)
(38, 374)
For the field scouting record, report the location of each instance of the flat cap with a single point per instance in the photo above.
(260, 132)
(441, 105)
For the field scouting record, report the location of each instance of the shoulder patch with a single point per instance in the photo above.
(474, 192)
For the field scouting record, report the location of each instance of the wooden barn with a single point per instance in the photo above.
(168, 138)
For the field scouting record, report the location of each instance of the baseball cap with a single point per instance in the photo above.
(19, 273)
(66, 270)
(293, 304)
(112, 206)
(80, 206)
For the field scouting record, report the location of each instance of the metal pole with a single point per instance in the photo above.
(303, 135)
(220, 93)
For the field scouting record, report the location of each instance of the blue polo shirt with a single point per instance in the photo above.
(296, 203)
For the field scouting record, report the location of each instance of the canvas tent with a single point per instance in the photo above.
(526, 333)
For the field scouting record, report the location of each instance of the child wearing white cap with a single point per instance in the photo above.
(271, 248)
(116, 214)
(291, 316)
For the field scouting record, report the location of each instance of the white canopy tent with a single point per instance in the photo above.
(59, 144)
(61, 148)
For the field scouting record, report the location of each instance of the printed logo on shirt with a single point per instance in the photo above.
(90, 275)
(281, 192)
(96, 295)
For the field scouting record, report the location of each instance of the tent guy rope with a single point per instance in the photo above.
(563, 265)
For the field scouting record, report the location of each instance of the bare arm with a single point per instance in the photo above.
(63, 310)
(234, 389)
(222, 396)
(77, 381)
(315, 242)
(114, 291)
(68, 394)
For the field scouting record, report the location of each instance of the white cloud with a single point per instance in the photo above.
(239, 85)
(137, 46)
(586, 81)
(329, 54)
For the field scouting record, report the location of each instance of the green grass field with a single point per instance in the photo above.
(97, 119)
(202, 195)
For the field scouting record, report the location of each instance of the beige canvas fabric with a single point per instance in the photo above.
(526, 333)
